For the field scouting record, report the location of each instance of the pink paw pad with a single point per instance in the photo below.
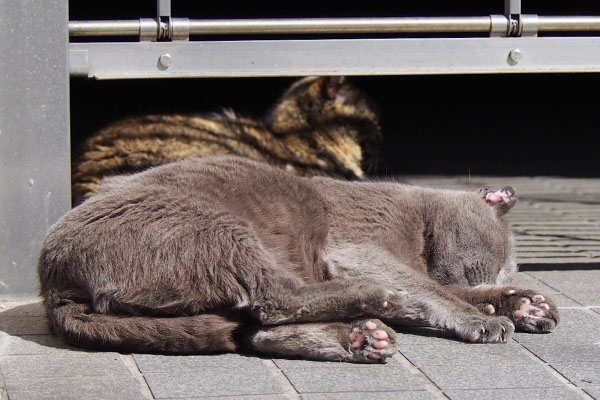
(357, 338)
(528, 312)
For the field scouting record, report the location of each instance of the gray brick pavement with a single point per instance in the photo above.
(558, 236)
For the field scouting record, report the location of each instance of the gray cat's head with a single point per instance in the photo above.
(470, 238)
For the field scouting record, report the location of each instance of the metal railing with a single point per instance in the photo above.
(182, 28)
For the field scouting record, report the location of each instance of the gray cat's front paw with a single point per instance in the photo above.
(488, 330)
(371, 341)
(531, 312)
(381, 302)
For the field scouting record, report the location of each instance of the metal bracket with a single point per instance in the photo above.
(513, 23)
(164, 28)
(512, 10)
(163, 18)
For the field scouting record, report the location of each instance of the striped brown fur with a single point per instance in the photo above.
(320, 126)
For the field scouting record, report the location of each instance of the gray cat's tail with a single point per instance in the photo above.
(73, 320)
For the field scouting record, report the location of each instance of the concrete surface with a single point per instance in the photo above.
(557, 222)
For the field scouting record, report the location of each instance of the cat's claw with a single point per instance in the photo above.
(494, 330)
(371, 341)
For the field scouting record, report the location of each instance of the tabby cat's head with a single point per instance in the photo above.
(327, 103)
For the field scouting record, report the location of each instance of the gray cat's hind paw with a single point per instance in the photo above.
(371, 341)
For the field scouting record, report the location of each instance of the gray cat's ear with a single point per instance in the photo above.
(332, 85)
(502, 200)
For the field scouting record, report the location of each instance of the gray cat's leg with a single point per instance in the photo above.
(326, 301)
(363, 341)
(279, 301)
(428, 301)
(529, 310)
(431, 303)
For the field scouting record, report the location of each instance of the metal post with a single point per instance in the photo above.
(34, 136)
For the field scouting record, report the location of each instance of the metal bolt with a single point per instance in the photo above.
(165, 60)
(515, 56)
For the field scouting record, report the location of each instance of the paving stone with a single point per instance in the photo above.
(562, 301)
(577, 325)
(573, 224)
(350, 379)
(24, 325)
(169, 364)
(59, 364)
(537, 393)
(580, 373)
(242, 397)
(524, 280)
(566, 352)
(3, 394)
(426, 336)
(472, 354)
(570, 282)
(395, 395)
(578, 299)
(76, 388)
(567, 260)
(593, 391)
(587, 298)
(464, 376)
(23, 318)
(285, 364)
(213, 382)
(32, 308)
(35, 344)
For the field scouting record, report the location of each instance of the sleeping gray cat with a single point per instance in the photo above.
(227, 254)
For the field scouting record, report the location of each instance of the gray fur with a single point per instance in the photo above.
(226, 254)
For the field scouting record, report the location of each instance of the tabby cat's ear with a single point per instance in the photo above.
(331, 86)
(501, 200)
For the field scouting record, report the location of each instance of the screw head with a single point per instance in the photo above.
(165, 60)
(515, 55)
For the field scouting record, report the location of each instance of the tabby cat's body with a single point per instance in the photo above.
(320, 126)
(223, 254)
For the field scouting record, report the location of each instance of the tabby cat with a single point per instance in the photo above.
(320, 126)
(228, 254)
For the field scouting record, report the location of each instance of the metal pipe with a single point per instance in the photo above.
(345, 25)
(104, 28)
(568, 24)
(335, 25)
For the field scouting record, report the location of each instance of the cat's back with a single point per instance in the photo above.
(225, 178)
(246, 190)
